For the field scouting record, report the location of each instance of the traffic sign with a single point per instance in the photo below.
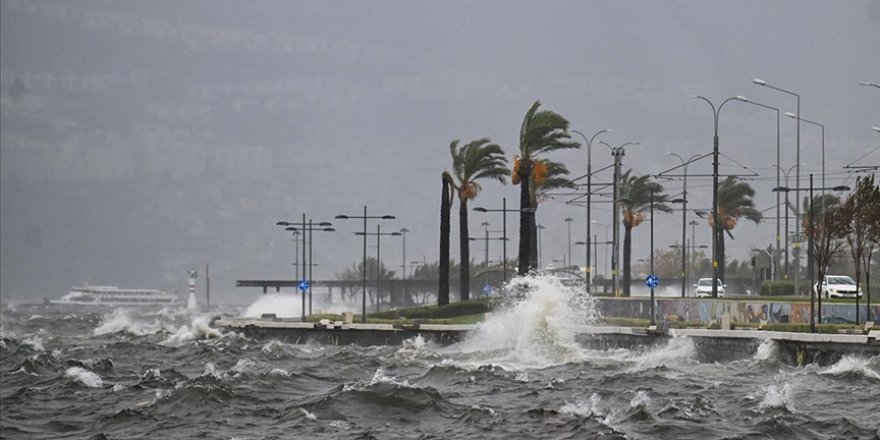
(304, 285)
(652, 281)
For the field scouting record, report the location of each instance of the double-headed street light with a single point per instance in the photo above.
(617, 153)
(684, 201)
(302, 228)
(716, 223)
(378, 234)
(822, 127)
(589, 142)
(504, 212)
(813, 292)
(787, 206)
(778, 183)
(365, 217)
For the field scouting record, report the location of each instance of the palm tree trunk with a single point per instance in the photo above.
(533, 250)
(525, 230)
(464, 246)
(627, 259)
(445, 227)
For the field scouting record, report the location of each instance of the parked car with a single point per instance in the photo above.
(704, 288)
(838, 286)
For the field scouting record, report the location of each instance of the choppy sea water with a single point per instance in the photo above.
(165, 374)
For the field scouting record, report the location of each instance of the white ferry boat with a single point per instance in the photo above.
(112, 296)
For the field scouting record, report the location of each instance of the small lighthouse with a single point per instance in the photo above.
(191, 302)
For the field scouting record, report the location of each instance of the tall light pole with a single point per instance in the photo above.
(540, 248)
(303, 227)
(813, 292)
(787, 173)
(617, 153)
(797, 161)
(778, 183)
(568, 220)
(715, 222)
(365, 217)
(403, 232)
(378, 234)
(589, 196)
(684, 209)
(822, 127)
(504, 212)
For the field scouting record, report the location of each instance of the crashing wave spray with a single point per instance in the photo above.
(282, 305)
(536, 328)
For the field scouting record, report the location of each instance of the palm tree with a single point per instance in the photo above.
(542, 131)
(480, 159)
(553, 179)
(445, 226)
(636, 193)
(734, 202)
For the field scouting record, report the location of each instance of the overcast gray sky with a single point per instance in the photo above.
(140, 139)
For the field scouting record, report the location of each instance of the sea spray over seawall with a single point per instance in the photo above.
(283, 305)
(536, 328)
(200, 329)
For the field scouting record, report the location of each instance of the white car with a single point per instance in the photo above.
(839, 286)
(704, 288)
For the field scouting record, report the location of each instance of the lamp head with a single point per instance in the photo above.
(480, 209)
(290, 228)
(282, 224)
(742, 98)
(342, 217)
(791, 115)
(781, 189)
(387, 217)
(759, 82)
(325, 224)
(841, 188)
(329, 229)
(396, 234)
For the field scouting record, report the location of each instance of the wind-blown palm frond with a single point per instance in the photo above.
(635, 195)
(479, 159)
(554, 179)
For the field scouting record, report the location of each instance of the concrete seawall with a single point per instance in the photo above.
(711, 345)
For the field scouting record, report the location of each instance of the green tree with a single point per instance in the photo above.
(827, 224)
(479, 159)
(542, 132)
(734, 202)
(356, 273)
(635, 197)
(862, 211)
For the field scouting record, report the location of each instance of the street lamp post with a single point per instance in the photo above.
(504, 212)
(822, 127)
(568, 220)
(684, 201)
(365, 217)
(617, 153)
(378, 234)
(715, 222)
(797, 161)
(787, 173)
(302, 228)
(589, 196)
(540, 248)
(778, 183)
(813, 292)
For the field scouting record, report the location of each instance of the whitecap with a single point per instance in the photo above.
(121, 320)
(851, 364)
(201, 329)
(310, 416)
(777, 396)
(85, 377)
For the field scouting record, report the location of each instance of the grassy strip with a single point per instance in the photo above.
(463, 319)
(461, 308)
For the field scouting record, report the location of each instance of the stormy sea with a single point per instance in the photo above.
(127, 373)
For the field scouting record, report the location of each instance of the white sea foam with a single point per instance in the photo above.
(310, 416)
(85, 377)
(677, 351)
(279, 372)
(852, 364)
(36, 343)
(588, 408)
(777, 396)
(121, 319)
(379, 377)
(640, 400)
(536, 331)
(200, 329)
(244, 366)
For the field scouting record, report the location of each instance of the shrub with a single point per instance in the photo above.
(778, 288)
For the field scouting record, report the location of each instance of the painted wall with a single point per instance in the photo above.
(739, 311)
